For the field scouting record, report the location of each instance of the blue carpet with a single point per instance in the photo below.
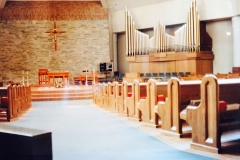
(81, 131)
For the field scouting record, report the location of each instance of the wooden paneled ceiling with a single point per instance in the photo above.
(113, 5)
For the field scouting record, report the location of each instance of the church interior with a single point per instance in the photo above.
(168, 68)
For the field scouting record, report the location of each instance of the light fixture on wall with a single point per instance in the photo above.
(228, 33)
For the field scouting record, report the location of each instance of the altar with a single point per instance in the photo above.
(63, 75)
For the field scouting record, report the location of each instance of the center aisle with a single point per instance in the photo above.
(81, 131)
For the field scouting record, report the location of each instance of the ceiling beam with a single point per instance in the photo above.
(2, 3)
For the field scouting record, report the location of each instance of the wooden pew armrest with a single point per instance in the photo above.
(141, 103)
(155, 109)
(183, 114)
(160, 106)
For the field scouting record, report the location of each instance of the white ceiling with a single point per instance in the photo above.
(121, 4)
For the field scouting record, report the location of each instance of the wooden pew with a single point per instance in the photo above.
(106, 95)
(29, 99)
(100, 96)
(24, 98)
(104, 92)
(12, 104)
(233, 75)
(146, 106)
(138, 90)
(178, 97)
(18, 100)
(112, 96)
(206, 120)
(221, 75)
(15, 100)
(123, 90)
(119, 97)
(95, 92)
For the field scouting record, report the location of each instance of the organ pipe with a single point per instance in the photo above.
(186, 38)
(136, 42)
(126, 29)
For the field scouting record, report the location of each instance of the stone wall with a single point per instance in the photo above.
(24, 45)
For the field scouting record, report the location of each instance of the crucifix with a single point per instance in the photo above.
(55, 32)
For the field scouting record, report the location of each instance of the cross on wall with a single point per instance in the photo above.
(55, 32)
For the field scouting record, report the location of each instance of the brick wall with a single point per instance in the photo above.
(24, 45)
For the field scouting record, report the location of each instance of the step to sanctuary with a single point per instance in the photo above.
(74, 92)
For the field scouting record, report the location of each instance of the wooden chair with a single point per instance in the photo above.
(174, 74)
(221, 75)
(181, 74)
(76, 80)
(162, 77)
(167, 76)
(43, 76)
(233, 75)
(141, 74)
(120, 78)
(155, 75)
(187, 74)
(82, 79)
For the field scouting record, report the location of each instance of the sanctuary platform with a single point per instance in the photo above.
(72, 92)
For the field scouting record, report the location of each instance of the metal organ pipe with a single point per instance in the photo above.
(186, 38)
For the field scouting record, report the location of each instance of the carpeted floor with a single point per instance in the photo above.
(81, 131)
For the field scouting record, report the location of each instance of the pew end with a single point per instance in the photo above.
(210, 118)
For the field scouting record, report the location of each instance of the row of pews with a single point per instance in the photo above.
(209, 106)
(218, 75)
(15, 101)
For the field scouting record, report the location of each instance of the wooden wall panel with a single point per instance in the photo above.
(139, 67)
(162, 67)
(182, 66)
(53, 10)
(194, 66)
(204, 67)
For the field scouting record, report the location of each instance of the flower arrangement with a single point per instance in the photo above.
(59, 84)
